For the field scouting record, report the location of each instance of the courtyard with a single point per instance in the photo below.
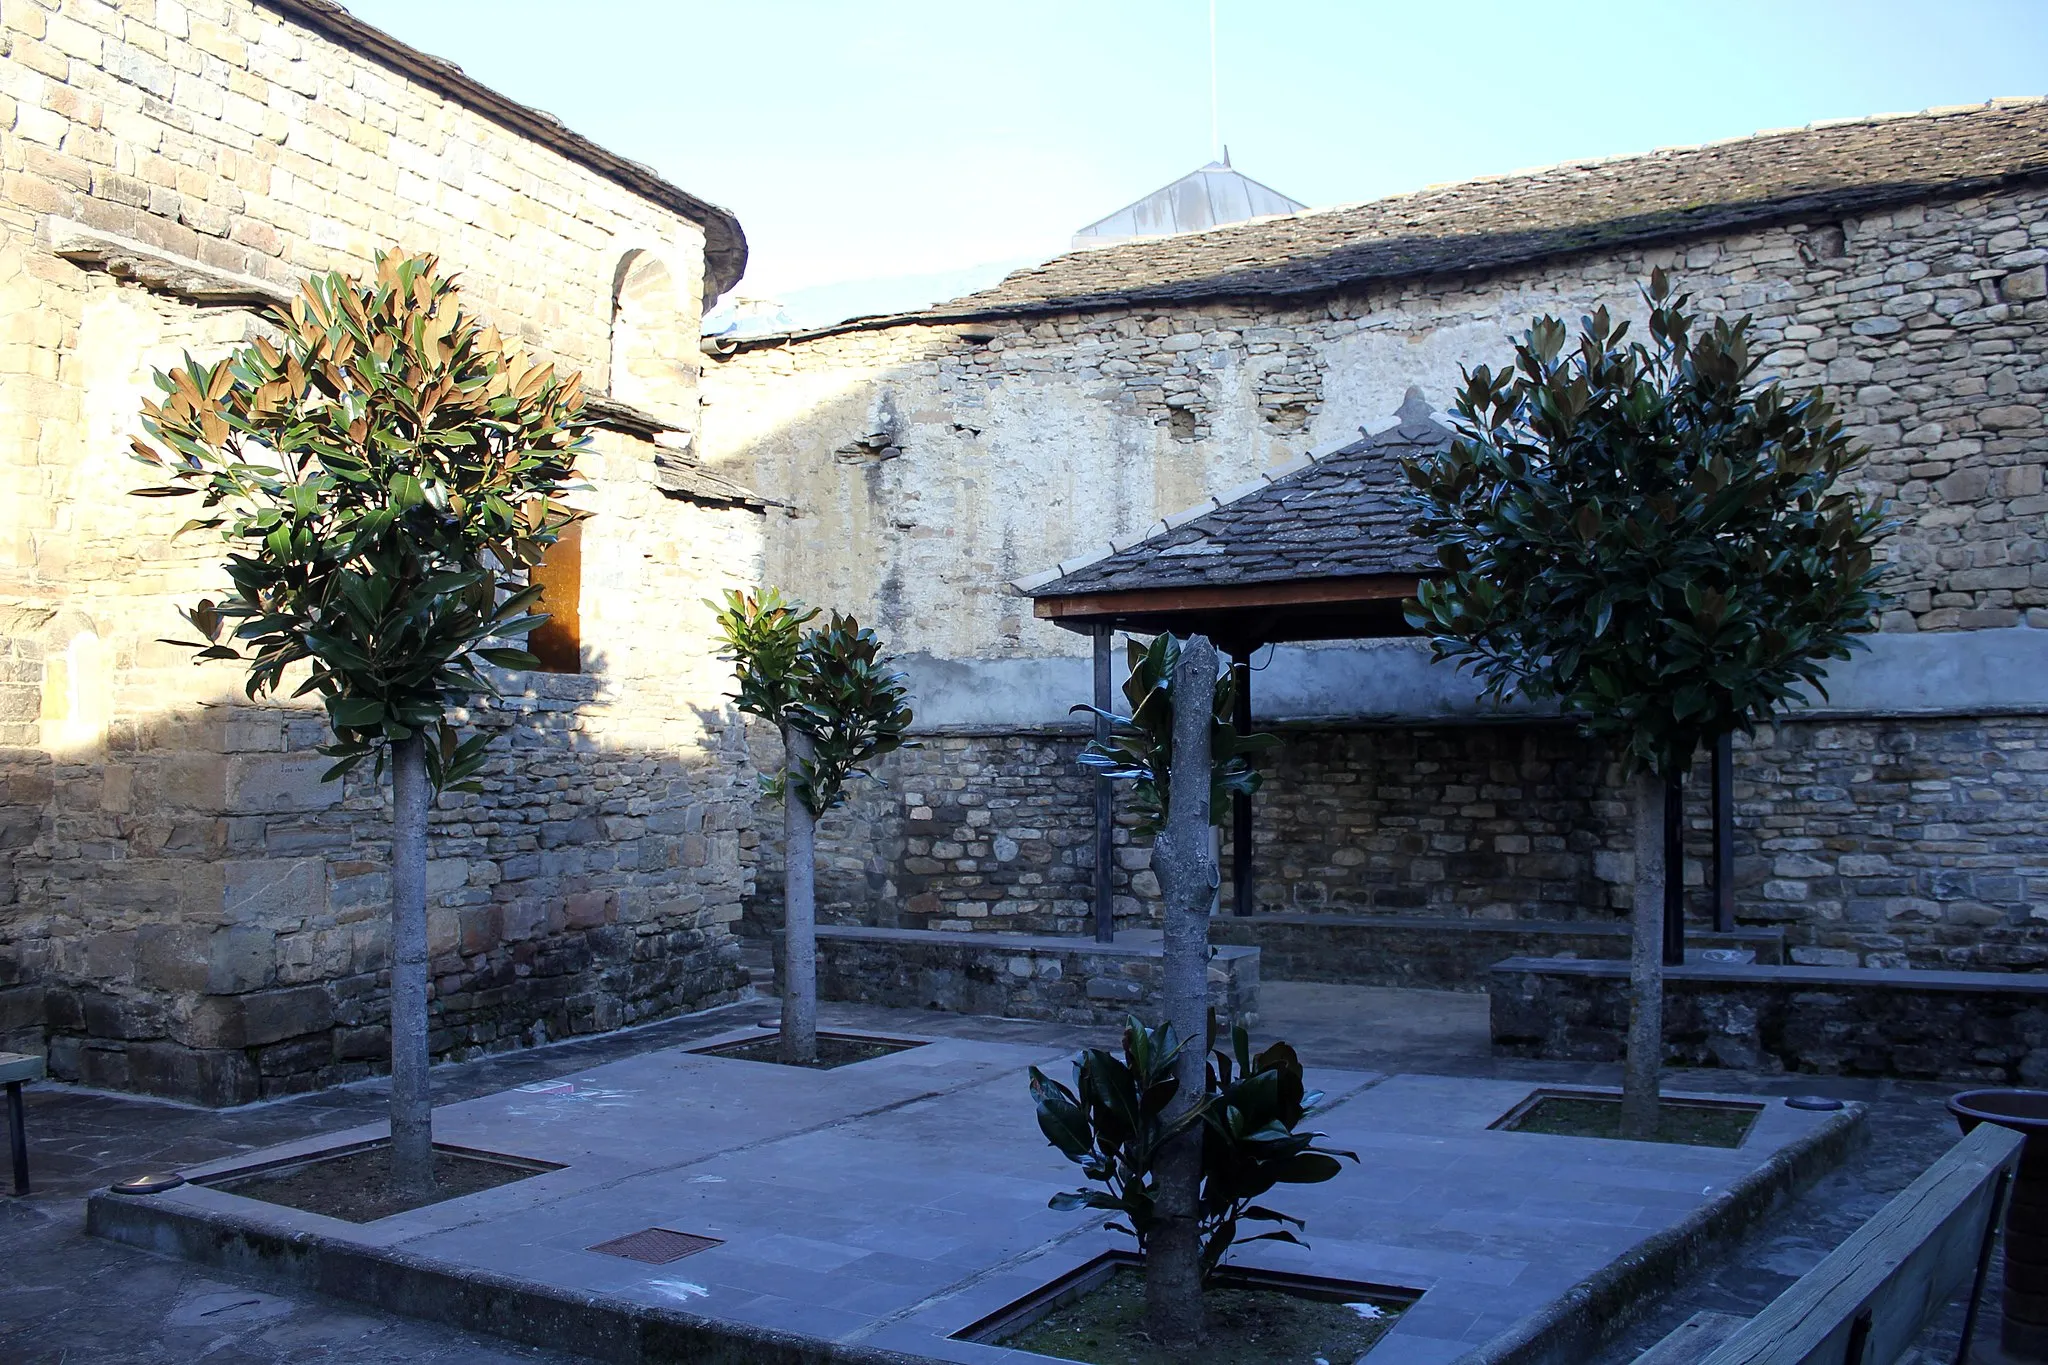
(1448, 771)
(888, 1204)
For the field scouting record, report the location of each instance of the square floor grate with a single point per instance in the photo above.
(656, 1246)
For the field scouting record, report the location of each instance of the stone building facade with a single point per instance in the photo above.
(933, 457)
(185, 908)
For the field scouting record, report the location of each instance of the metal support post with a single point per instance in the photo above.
(1105, 802)
(1242, 890)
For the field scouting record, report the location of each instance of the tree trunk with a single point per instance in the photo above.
(1645, 966)
(799, 913)
(1184, 857)
(412, 1104)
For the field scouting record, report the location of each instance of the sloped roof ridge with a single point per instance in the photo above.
(1414, 423)
(1231, 274)
(1215, 502)
(725, 243)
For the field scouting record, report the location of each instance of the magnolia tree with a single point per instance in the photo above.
(1183, 1142)
(1665, 547)
(383, 476)
(838, 705)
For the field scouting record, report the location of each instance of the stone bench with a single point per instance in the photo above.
(1988, 1028)
(1873, 1295)
(17, 1068)
(1438, 953)
(1016, 976)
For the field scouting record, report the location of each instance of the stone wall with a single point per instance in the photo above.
(185, 908)
(1984, 1028)
(1897, 843)
(931, 464)
(1021, 976)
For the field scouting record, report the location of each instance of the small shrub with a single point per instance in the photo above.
(1113, 1125)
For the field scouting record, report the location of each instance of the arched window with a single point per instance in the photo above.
(651, 363)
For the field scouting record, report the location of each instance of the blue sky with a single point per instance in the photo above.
(861, 141)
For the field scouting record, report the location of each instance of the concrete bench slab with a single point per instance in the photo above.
(16, 1067)
(1990, 1028)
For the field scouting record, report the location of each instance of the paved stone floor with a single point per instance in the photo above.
(66, 1298)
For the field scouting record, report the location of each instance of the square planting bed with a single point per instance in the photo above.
(352, 1183)
(1095, 1314)
(834, 1049)
(1689, 1122)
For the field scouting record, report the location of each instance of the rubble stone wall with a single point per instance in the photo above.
(184, 906)
(1903, 843)
(929, 463)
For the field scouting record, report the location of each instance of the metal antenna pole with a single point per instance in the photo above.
(1215, 108)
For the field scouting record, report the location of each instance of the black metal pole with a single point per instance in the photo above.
(1105, 802)
(17, 1137)
(1674, 872)
(1724, 833)
(1241, 887)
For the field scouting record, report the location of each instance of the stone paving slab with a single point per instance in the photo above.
(886, 1205)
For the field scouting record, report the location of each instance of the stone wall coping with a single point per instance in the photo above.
(1746, 974)
(1016, 943)
(1558, 927)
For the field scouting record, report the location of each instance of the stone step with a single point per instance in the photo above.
(758, 957)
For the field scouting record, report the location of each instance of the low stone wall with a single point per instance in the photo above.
(1018, 976)
(1870, 843)
(1439, 954)
(1981, 1027)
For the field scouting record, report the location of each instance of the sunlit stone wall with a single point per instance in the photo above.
(184, 906)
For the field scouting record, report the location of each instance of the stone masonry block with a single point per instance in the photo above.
(274, 891)
(265, 784)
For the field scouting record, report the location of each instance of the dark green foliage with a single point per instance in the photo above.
(384, 477)
(831, 684)
(763, 636)
(1140, 747)
(1644, 534)
(851, 703)
(1113, 1125)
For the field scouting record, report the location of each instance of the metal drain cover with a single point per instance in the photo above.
(656, 1246)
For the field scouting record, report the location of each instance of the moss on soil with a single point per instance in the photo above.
(833, 1050)
(357, 1188)
(1106, 1326)
(1688, 1124)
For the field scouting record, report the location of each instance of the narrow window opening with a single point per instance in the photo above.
(558, 642)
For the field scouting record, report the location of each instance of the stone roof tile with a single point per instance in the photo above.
(1341, 516)
(1820, 171)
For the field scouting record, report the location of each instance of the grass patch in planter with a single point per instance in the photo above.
(1575, 1113)
(354, 1183)
(834, 1050)
(1096, 1314)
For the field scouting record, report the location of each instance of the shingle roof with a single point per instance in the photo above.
(1338, 516)
(1826, 169)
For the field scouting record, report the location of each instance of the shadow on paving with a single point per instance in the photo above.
(1446, 1033)
(67, 1298)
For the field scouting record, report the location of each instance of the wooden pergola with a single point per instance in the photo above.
(1320, 550)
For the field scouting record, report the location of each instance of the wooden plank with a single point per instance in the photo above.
(1290, 593)
(1690, 1341)
(1901, 1267)
(20, 1066)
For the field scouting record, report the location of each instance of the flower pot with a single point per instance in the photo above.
(2023, 1332)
